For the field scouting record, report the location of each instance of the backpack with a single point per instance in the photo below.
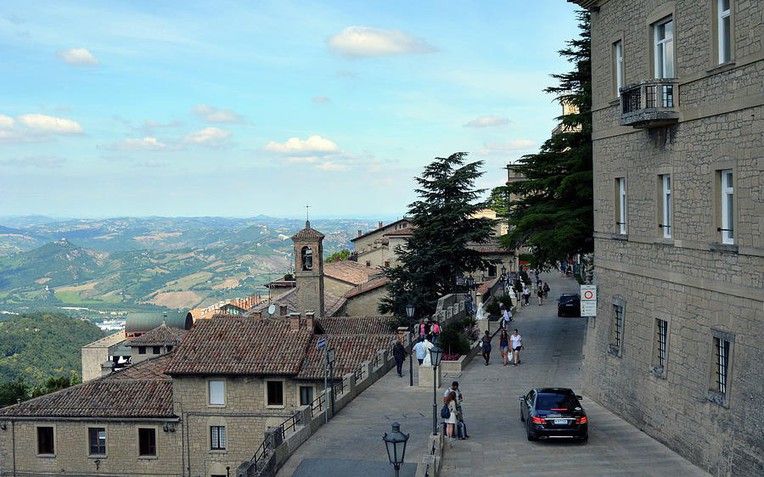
(445, 413)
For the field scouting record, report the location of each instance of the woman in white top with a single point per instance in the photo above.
(453, 418)
(517, 344)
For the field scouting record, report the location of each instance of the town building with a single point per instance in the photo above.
(678, 122)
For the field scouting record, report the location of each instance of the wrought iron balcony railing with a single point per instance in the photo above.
(650, 104)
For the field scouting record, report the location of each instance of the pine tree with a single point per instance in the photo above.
(436, 253)
(553, 212)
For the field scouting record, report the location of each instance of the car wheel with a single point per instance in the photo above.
(530, 437)
(522, 418)
(559, 313)
(585, 439)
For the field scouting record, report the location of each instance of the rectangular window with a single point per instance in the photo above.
(45, 440)
(662, 336)
(97, 440)
(217, 437)
(727, 207)
(216, 392)
(618, 66)
(620, 209)
(275, 393)
(616, 331)
(147, 442)
(723, 34)
(141, 350)
(666, 219)
(721, 371)
(663, 48)
(306, 395)
(157, 349)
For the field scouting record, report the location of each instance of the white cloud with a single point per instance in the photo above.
(78, 57)
(41, 162)
(364, 42)
(332, 166)
(216, 115)
(50, 124)
(210, 137)
(321, 99)
(311, 146)
(491, 148)
(140, 144)
(6, 122)
(487, 121)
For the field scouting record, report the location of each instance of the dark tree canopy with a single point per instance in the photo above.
(552, 209)
(436, 253)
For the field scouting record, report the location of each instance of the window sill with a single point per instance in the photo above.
(97, 456)
(46, 456)
(718, 398)
(723, 247)
(658, 372)
(218, 451)
(664, 241)
(148, 457)
(721, 68)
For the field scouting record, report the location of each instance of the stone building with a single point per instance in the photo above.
(678, 122)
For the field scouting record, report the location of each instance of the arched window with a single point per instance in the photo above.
(307, 258)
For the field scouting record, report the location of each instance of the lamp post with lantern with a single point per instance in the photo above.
(435, 354)
(395, 442)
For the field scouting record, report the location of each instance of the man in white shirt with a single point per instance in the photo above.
(420, 350)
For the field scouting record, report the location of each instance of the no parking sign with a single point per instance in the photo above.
(588, 300)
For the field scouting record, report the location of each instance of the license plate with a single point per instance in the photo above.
(560, 422)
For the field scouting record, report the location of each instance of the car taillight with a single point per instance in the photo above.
(538, 420)
(582, 420)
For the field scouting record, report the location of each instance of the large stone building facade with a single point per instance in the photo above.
(678, 128)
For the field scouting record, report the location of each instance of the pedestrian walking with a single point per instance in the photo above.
(540, 294)
(504, 345)
(420, 350)
(486, 344)
(526, 296)
(546, 289)
(506, 317)
(517, 344)
(399, 353)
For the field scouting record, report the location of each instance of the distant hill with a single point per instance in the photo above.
(38, 346)
(121, 263)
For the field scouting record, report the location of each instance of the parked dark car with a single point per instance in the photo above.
(553, 412)
(569, 304)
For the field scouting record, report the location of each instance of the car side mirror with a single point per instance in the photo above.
(579, 397)
(521, 398)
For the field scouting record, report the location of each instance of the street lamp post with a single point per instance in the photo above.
(410, 314)
(395, 442)
(435, 354)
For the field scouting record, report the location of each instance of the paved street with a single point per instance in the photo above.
(498, 445)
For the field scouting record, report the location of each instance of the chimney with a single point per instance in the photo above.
(380, 225)
(282, 310)
(309, 319)
(360, 232)
(294, 322)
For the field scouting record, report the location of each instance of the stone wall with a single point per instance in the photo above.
(700, 287)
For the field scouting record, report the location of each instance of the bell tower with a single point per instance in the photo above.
(309, 269)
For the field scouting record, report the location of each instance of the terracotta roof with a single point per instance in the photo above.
(307, 233)
(160, 336)
(349, 271)
(383, 228)
(330, 310)
(367, 287)
(360, 325)
(241, 346)
(139, 391)
(349, 352)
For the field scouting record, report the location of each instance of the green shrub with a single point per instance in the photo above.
(453, 339)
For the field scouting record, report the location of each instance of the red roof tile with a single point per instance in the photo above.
(360, 325)
(160, 336)
(241, 346)
(349, 271)
(349, 352)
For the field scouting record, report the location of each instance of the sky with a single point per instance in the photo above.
(241, 108)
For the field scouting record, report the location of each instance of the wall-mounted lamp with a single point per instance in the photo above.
(3, 425)
(169, 427)
(97, 463)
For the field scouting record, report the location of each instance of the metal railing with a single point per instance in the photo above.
(650, 102)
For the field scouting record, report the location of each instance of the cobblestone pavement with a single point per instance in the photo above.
(497, 444)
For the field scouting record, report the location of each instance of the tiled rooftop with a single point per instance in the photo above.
(349, 352)
(349, 271)
(366, 287)
(241, 346)
(142, 390)
(307, 233)
(162, 335)
(360, 325)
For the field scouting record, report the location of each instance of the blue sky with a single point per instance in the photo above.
(178, 108)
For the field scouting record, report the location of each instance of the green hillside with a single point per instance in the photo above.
(39, 346)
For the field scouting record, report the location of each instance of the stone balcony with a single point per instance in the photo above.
(650, 103)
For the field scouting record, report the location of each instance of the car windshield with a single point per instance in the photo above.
(556, 402)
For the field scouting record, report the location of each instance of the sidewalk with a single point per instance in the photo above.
(497, 444)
